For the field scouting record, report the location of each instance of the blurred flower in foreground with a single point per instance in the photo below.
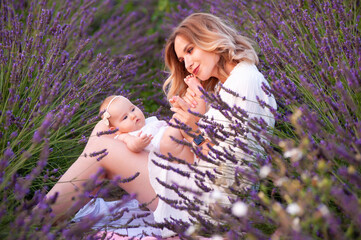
(293, 209)
(264, 171)
(239, 209)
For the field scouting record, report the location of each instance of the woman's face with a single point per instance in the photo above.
(201, 63)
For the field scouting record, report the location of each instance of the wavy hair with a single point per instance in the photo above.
(210, 34)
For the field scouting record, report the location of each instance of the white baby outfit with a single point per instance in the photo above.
(245, 80)
(154, 127)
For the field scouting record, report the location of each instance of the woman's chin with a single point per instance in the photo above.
(203, 78)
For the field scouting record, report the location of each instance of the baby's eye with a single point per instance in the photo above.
(125, 117)
(133, 109)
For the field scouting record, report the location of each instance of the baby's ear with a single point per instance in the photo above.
(112, 128)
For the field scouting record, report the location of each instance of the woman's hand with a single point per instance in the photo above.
(180, 108)
(193, 95)
(192, 101)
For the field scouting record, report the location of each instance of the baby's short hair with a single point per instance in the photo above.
(105, 103)
(103, 111)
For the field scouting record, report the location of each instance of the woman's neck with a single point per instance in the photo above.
(228, 69)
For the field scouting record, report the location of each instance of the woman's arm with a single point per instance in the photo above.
(181, 113)
(191, 101)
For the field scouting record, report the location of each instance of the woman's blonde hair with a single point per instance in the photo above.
(210, 34)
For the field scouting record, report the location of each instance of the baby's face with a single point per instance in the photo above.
(125, 116)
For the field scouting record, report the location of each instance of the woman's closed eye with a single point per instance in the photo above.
(189, 51)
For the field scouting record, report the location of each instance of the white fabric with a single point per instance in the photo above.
(99, 207)
(154, 127)
(246, 80)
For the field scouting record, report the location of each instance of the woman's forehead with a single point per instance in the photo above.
(180, 45)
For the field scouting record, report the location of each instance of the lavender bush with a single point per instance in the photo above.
(307, 179)
(58, 60)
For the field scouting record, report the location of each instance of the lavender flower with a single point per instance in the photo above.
(310, 54)
(55, 69)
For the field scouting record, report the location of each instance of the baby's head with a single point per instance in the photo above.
(119, 112)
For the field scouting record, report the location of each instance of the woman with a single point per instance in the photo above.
(214, 53)
(204, 46)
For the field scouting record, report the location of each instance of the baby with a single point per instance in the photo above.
(139, 133)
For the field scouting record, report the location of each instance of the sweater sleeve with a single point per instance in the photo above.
(247, 81)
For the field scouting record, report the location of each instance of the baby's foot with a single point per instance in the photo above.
(194, 84)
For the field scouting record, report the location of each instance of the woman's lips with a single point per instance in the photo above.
(195, 71)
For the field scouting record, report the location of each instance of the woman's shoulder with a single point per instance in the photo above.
(244, 65)
(244, 75)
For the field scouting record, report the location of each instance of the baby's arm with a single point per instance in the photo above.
(136, 143)
(167, 145)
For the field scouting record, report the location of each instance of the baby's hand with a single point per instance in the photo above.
(141, 141)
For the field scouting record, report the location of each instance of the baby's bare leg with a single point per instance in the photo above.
(167, 145)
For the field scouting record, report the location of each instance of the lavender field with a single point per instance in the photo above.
(59, 59)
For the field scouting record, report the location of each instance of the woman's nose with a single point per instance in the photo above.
(188, 63)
